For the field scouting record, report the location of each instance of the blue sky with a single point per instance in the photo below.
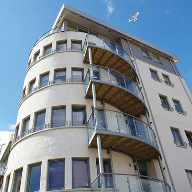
(165, 23)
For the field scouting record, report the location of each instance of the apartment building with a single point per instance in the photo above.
(101, 110)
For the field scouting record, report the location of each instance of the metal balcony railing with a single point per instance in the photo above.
(111, 76)
(106, 44)
(130, 183)
(119, 122)
(3, 167)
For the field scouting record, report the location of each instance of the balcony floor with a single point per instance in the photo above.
(127, 144)
(110, 60)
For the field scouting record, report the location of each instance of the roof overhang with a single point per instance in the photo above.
(96, 25)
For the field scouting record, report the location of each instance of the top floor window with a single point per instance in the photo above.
(61, 46)
(76, 45)
(166, 79)
(156, 58)
(47, 50)
(145, 53)
(177, 106)
(154, 75)
(36, 56)
(164, 102)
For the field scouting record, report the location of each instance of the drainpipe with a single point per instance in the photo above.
(180, 80)
(102, 177)
(163, 154)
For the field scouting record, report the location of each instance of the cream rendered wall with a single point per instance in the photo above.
(179, 158)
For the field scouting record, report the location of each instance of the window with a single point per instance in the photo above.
(145, 53)
(33, 182)
(32, 86)
(25, 129)
(17, 180)
(77, 75)
(76, 46)
(47, 50)
(39, 121)
(189, 137)
(81, 178)
(189, 176)
(7, 183)
(58, 117)
(29, 63)
(177, 106)
(177, 137)
(16, 133)
(164, 102)
(36, 56)
(61, 46)
(71, 27)
(156, 58)
(79, 116)
(56, 174)
(44, 80)
(107, 169)
(80, 29)
(154, 75)
(60, 76)
(24, 93)
(166, 79)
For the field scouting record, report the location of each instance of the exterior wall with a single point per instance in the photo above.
(178, 158)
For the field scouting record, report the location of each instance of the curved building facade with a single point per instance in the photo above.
(84, 122)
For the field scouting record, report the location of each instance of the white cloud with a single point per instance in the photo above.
(12, 127)
(167, 11)
(5, 136)
(110, 6)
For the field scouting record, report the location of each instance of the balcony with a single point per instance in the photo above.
(116, 89)
(130, 183)
(123, 133)
(108, 54)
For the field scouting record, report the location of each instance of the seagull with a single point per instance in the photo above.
(134, 17)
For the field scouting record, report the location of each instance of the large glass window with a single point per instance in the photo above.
(32, 86)
(58, 117)
(36, 56)
(107, 169)
(76, 45)
(154, 75)
(189, 175)
(7, 183)
(34, 178)
(61, 46)
(81, 177)
(189, 137)
(177, 137)
(56, 174)
(44, 80)
(177, 106)
(25, 129)
(47, 50)
(166, 79)
(60, 76)
(79, 116)
(40, 121)
(164, 102)
(17, 180)
(77, 75)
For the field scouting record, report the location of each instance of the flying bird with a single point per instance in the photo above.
(134, 17)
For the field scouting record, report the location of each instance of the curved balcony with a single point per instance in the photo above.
(116, 89)
(108, 54)
(122, 132)
(130, 183)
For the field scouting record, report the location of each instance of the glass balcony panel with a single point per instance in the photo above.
(110, 46)
(91, 126)
(105, 76)
(117, 78)
(142, 130)
(101, 119)
(131, 86)
(95, 41)
(121, 120)
(132, 127)
(135, 184)
(111, 121)
(145, 185)
(156, 186)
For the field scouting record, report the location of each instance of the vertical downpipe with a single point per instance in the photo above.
(103, 186)
(152, 118)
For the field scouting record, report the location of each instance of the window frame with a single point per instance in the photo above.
(146, 52)
(166, 102)
(24, 126)
(30, 83)
(180, 142)
(41, 76)
(77, 69)
(36, 56)
(190, 181)
(61, 42)
(57, 108)
(29, 175)
(15, 180)
(85, 114)
(169, 81)
(157, 60)
(88, 172)
(48, 174)
(35, 120)
(47, 47)
(76, 42)
(189, 139)
(7, 183)
(156, 75)
(60, 70)
(178, 105)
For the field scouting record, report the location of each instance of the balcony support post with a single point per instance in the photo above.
(102, 177)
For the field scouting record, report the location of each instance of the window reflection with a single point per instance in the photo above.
(79, 117)
(60, 76)
(40, 121)
(58, 117)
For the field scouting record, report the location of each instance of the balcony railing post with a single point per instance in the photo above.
(128, 183)
(109, 75)
(136, 131)
(117, 122)
(148, 183)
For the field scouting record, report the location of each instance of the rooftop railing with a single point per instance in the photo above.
(119, 122)
(96, 41)
(130, 183)
(111, 76)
